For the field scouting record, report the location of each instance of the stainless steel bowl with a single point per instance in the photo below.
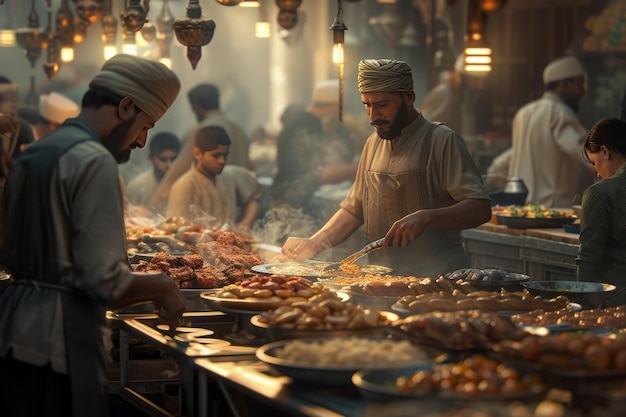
(587, 294)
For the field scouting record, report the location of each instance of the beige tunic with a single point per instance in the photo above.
(412, 173)
(238, 153)
(222, 199)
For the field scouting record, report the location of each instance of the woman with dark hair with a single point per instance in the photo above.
(602, 253)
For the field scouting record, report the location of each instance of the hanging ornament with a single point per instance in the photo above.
(32, 38)
(90, 10)
(287, 19)
(194, 31)
(288, 4)
(51, 66)
(134, 17)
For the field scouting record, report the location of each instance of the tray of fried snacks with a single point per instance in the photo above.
(569, 354)
(262, 292)
(323, 315)
(458, 330)
(371, 284)
(475, 378)
(596, 318)
(502, 301)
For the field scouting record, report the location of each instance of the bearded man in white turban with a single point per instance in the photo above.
(547, 139)
(65, 246)
(416, 184)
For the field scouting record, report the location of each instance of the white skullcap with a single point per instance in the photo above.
(562, 68)
(57, 108)
(326, 91)
(459, 64)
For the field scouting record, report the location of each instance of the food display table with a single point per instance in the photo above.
(543, 254)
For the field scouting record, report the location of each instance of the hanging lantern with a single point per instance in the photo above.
(287, 19)
(89, 10)
(262, 28)
(32, 38)
(477, 49)
(109, 33)
(65, 31)
(134, 17)
(490, 6)
(250, 3)
(288, 4)
(338, 28)
(194, 31)
(165, 34)
(51, 66)
(228, 2)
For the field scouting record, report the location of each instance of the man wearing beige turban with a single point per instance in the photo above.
(65, 246)
(416, 184)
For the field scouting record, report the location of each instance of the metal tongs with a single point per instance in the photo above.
(372, 246)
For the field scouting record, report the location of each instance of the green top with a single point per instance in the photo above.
(602, 253)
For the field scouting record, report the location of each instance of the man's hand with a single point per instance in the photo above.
(171, 306)
(299, 249)
(407, 229)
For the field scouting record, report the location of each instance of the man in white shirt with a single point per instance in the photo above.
(547, 138)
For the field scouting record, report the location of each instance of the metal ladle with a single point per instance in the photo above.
(372, 246)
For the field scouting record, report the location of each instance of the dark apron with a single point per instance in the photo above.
(34, 262)
(390, 197)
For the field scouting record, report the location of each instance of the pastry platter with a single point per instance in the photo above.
(313, 269)
(247, 305)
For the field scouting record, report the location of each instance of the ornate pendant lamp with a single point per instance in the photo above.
(65, 31)
(165, 34)
(194, 31)
(109, 33)
(228, 2)
(287, 13)
(90, 11)
(477, 49)
(132, 20)
(262, 28)
(51, 66)
(338, 28)
(32, 38)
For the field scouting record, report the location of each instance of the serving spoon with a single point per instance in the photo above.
(372, 246)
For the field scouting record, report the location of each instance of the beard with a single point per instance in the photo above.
(572, 103)
(117, 137)
(390, 130)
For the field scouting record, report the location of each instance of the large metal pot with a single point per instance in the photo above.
(587, 294)
(505, 191)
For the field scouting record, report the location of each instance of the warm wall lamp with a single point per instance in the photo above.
(477, 49)
(338, 28)
(250, 3)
